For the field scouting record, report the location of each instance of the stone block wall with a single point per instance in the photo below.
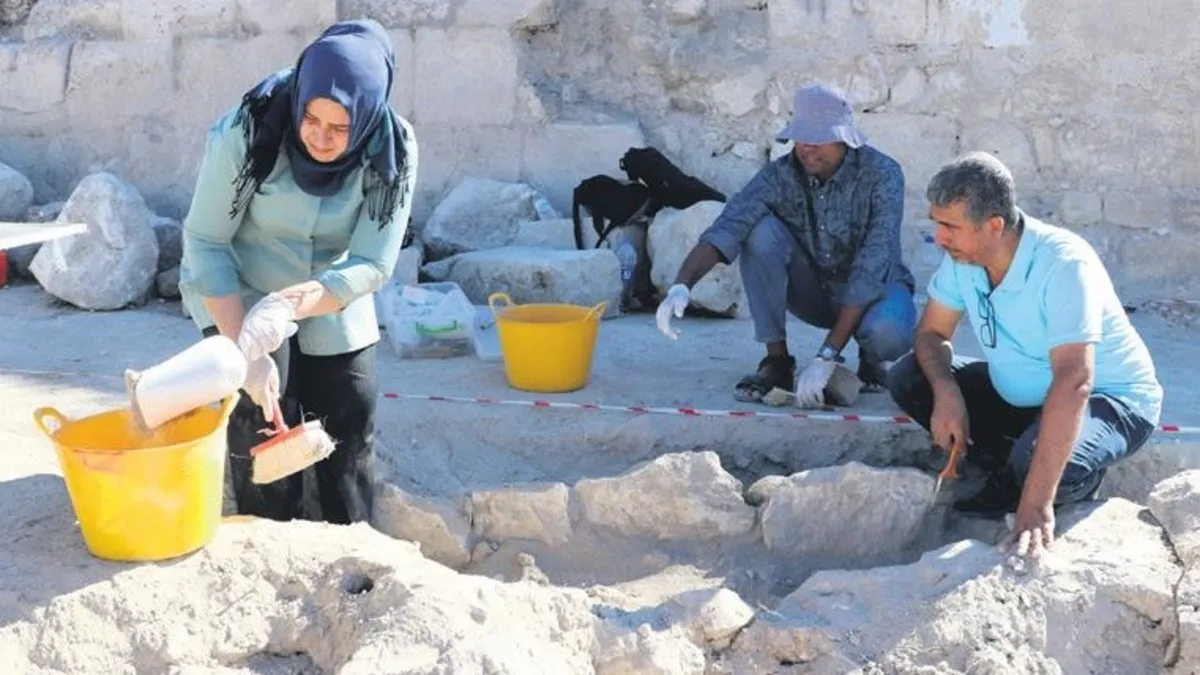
(1090, 103)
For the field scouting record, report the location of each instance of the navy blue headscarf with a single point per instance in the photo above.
(352, 63)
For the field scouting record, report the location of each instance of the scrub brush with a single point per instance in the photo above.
(289, 450)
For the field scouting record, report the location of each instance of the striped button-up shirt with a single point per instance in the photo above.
(849, 227)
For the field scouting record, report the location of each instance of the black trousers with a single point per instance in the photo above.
(342, 392)
(1005, 436)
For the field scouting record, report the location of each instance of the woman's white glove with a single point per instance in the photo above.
(262, 384)
(268, 323)
(675, 303)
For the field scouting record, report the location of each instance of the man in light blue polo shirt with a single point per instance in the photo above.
(1067, 387)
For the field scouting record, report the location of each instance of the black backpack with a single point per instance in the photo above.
(610, 202)
(654, 183)
(668, 185)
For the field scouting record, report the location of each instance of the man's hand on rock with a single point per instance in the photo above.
(810, 384)
(1032, 532)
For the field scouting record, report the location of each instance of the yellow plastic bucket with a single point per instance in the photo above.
(547, 347)
(142, 498)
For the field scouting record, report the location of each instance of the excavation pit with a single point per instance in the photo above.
(590, 541)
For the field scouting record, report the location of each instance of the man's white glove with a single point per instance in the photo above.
(268, 323)
(675, 303)
(262, 384)
(810, 384)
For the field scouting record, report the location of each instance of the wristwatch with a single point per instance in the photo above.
(828, 353)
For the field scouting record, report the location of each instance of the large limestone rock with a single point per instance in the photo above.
(530, 274)
(671, 236)
(440, 526)
(1135, 477)
(674, 497)
(481, 213)
(1187, 605)
(556, 233)
(865, 511)
(534, 512)
(1101, 602)
(16, 193)
(1175, 502)
(114, 263)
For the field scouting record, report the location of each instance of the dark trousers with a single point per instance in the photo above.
(771, 255)
(1005, 435)
(341, 391)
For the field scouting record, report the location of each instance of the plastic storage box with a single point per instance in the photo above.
(431, 320)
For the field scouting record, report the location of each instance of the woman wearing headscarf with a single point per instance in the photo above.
(299, 214)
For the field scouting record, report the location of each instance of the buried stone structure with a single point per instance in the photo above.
(303, 597)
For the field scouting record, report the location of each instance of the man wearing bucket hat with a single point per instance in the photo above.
(818, 234)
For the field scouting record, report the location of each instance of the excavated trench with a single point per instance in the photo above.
(659, 504)
(630, 533)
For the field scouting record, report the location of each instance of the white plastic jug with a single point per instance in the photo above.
(210, 370)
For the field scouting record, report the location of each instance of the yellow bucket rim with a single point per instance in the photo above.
(42, 414)
(495, 300)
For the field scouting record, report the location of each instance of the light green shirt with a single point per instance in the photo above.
(285, 237)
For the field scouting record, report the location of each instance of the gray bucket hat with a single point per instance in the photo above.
(822, 115)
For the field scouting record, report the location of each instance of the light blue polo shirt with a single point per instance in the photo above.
(1056, 292)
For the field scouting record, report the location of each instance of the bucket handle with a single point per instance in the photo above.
(39, 418)
(496, 298)
(596, 311)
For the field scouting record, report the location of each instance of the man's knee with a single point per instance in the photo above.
(885, 338)
(888, 328)
(766, 241)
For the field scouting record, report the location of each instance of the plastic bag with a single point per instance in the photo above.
(434, 320)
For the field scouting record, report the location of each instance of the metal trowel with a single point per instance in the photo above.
(950, 473)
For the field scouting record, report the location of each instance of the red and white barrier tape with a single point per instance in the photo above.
(900, 420)
(827, 415)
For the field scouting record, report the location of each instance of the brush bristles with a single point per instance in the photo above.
(292, 455)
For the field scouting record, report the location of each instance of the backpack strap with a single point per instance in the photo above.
(641, 211)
